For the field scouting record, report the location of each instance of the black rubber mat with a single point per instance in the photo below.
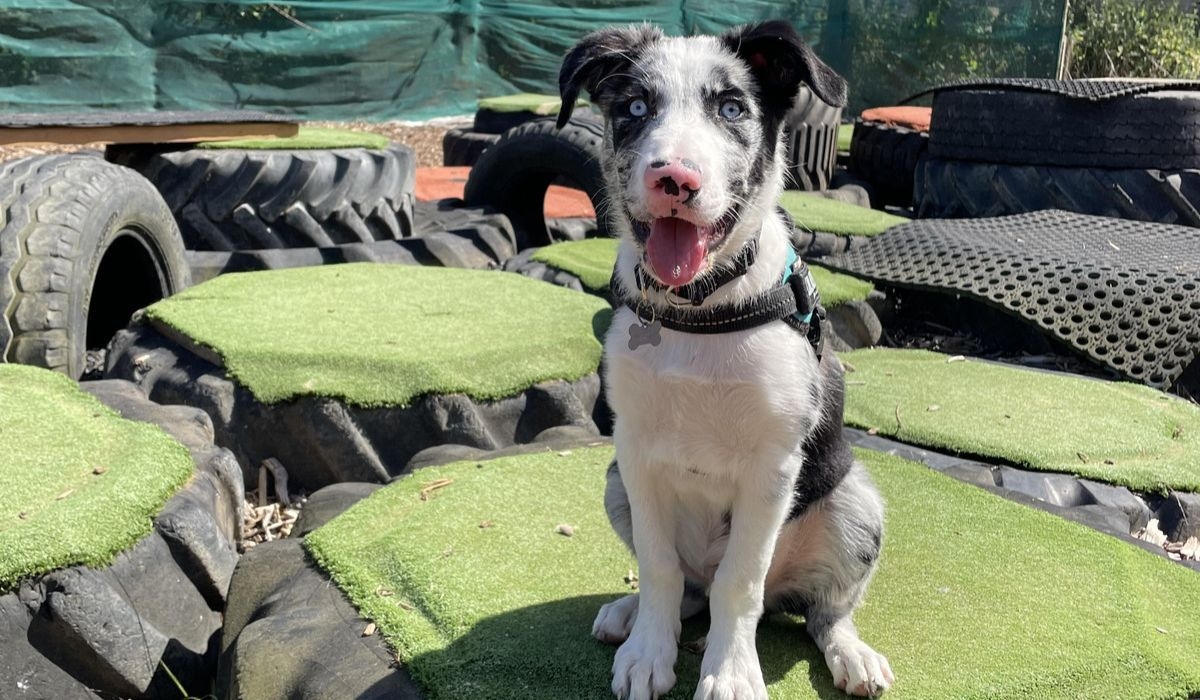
(1093, 90)
(97, 119)
(1126, 293)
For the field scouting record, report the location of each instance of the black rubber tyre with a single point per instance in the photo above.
(257, 199)
(1021, 127)
(85, 243)
(489, 121)
(811, 132)
(463, 146)
(960, 189)
(886, 156)
(512, 176)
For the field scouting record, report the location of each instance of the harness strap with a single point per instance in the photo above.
(702, 288)
(794, 300)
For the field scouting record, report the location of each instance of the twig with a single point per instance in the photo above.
(281, 480)
(898, 426)
(432, 486)
(291, 18)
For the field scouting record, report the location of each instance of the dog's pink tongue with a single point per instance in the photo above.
(676, 250)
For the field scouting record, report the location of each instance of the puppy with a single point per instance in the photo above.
(732, 483)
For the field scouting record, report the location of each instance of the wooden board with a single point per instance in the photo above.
(141, 127)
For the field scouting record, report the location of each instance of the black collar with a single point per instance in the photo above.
(793, 300)
(702, 288)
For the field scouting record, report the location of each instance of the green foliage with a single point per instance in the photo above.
(903, 47)
(1133, 38)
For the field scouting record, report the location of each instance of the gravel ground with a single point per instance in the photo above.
(424, 138)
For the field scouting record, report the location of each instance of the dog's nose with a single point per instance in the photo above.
(671, 183)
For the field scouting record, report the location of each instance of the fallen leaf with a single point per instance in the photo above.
(565, 530)
(384, 592)
(23, 515)
(564, 453)
(933, 407)
(64, 494)
(99, 470)
(872, 431)
(1082, 457)
(956, 358)
(485, 524)
(369, 631)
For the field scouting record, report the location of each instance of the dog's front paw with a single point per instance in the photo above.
(858, 669)
(732, 674)
(644, 667)
(615, 620)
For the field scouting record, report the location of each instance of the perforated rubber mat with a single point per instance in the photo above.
(1092, 90)
(1126, 293)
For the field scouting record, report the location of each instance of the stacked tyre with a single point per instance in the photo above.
(811, 133)
(1116, 148)
(513, 175)
(250, 199)
(84, 244)
(885, 149)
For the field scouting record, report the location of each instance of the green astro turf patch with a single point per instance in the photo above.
(815, 213)
(544, 105)
(592, 261)
(307, 138)
(384, 335)
(1120, 433)
(845, 135)
(837, 289)
(976, 597)
(80, 483)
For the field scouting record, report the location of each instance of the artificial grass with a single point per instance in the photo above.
(976, 597)
(592, 261)
(307, 138)
(837, 289)
(544, 105)
(1120, 433)
(384, 335)
(844, 135)
(80, 483)
(815, 213)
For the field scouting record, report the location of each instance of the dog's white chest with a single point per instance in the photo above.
(710, 405)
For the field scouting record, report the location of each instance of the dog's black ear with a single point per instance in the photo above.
(780, 60)
(597, 56)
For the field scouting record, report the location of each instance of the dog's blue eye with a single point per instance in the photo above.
(638, 108)
(731, 109)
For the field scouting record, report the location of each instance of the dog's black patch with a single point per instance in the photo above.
(599, 58)
(827, 455)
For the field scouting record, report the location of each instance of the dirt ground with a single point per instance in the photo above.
(425, 139)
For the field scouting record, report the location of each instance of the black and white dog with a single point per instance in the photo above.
(732, 480)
